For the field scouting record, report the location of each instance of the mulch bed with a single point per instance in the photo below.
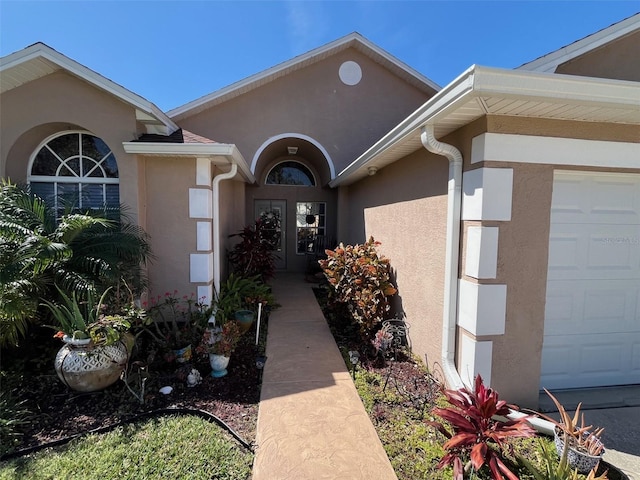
(57, 412)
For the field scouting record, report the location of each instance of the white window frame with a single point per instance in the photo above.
(290, 160)
(75, 179)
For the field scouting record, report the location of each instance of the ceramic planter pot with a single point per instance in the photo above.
(218, 364)
(582, 461)
(84, 367)
(183, 355)
(245, 319)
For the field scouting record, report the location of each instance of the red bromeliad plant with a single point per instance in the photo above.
(477, 435)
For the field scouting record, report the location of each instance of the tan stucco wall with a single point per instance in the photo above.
(31, 112)
(232, 217)
(173, 233)
(617, 60)
(404, 207)
(313, 101)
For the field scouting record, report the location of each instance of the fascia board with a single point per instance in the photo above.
(550, 61)
(284, 66)
(443, 101)
(85, 73)
(479, 82)
(556, 88)
(208, 150)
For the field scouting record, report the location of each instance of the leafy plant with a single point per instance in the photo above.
(361, 280)
(478, 437)
(220, 340)
(79, 253)
(577, 435)
(254, 254)
(242, 293)
(175, 322)
(84, 320)
(554, 470)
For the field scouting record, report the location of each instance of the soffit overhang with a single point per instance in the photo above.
(481, 91)
(39, 60)
(353, 40)
(220, 154)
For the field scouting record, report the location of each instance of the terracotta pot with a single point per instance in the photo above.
(84, 367)
(218, 364)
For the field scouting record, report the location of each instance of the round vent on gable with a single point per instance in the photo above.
(350, 73)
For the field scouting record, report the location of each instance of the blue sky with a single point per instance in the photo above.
(172, 52)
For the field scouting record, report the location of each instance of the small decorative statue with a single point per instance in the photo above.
(194, 378)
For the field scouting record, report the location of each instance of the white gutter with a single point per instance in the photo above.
(449, 314)
(454, 207)
(215, 186)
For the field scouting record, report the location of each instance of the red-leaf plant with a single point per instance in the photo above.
(477, 434)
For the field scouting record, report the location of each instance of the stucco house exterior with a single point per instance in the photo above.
(508, 201)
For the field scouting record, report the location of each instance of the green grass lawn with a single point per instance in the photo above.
(165, 447)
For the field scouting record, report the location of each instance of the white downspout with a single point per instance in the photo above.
(454, 206)
(215, 186)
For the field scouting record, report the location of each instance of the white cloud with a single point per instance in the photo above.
(307, 25)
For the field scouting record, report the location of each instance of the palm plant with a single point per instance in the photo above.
(81, 253)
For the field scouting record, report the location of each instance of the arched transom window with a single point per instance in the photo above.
(290, 172)
(75, 170)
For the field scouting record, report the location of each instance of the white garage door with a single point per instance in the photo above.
(592, 317)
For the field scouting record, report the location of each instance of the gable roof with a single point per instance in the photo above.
(551, 61)
(353, 40)
(39, 60)
(481, 91)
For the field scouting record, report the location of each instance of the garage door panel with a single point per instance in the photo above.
(594, 360)
(592, 316)
(613, 198)
(585, 307)
(600, 251)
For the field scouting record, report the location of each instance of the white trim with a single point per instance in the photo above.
(481, 259)
(217, 153)
(203, 236)
(205, 294)
(467, 98)
(163, 124)
(254, 81)
(299, 136)
(475, 358)
(499, 147)
(482, 308)
(487, 194)
(551, 61)
(203, 171)
(199, 203)
(201, 267)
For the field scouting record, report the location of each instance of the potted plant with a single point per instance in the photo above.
(239, 297)
(93, 356)
(583, 443)
(254, 254)
(219, 343)
(176, 324)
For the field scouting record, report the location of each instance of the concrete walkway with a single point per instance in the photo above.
(311, 423)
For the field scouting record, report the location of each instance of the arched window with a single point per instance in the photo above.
(290, 173)
(75, 170)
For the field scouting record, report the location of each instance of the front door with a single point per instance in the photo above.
(275, 213)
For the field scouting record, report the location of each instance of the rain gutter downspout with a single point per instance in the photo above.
(215, 186)
(454, 207)
(449, 314)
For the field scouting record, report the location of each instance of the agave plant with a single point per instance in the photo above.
(478, 437)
